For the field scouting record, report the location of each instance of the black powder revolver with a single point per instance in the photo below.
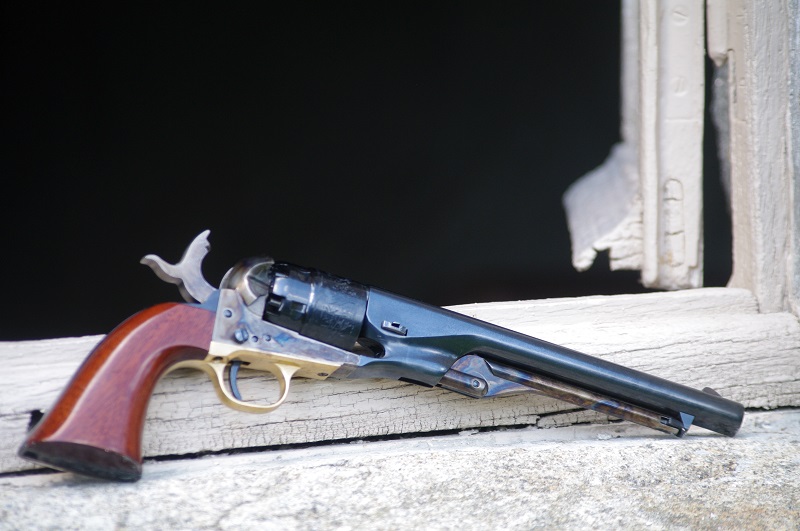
(298, 322)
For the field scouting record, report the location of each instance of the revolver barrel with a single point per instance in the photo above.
(415, 342)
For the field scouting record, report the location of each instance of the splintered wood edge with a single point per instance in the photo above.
(709, 337)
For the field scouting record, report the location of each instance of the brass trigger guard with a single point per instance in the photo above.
(216, 372)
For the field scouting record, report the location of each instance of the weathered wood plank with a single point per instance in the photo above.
(710, 337)
(759, 41)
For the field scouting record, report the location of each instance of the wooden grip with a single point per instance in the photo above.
(95, 427)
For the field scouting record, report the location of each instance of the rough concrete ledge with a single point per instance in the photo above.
(594, 476)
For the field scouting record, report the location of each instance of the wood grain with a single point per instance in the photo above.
(708, 337)
(95, 427)
(762, 43)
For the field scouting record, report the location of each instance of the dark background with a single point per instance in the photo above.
(423, 148)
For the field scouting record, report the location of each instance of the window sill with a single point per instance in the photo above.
(708, 337)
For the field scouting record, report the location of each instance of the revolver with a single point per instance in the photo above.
(296, 322)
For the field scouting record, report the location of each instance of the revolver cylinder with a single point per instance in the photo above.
(316, 304)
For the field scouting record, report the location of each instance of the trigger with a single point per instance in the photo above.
(234, 372)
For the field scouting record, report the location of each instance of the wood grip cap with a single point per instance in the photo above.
(95, 427)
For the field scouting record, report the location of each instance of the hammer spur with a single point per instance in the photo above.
(187, 274)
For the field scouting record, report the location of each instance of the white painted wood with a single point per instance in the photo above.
(794, 152)
(708, 337)
(615, 476)
(672, 93)
(644, 204)
(717, 33)
(758, 42)
(604, 207)
(604, 213)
